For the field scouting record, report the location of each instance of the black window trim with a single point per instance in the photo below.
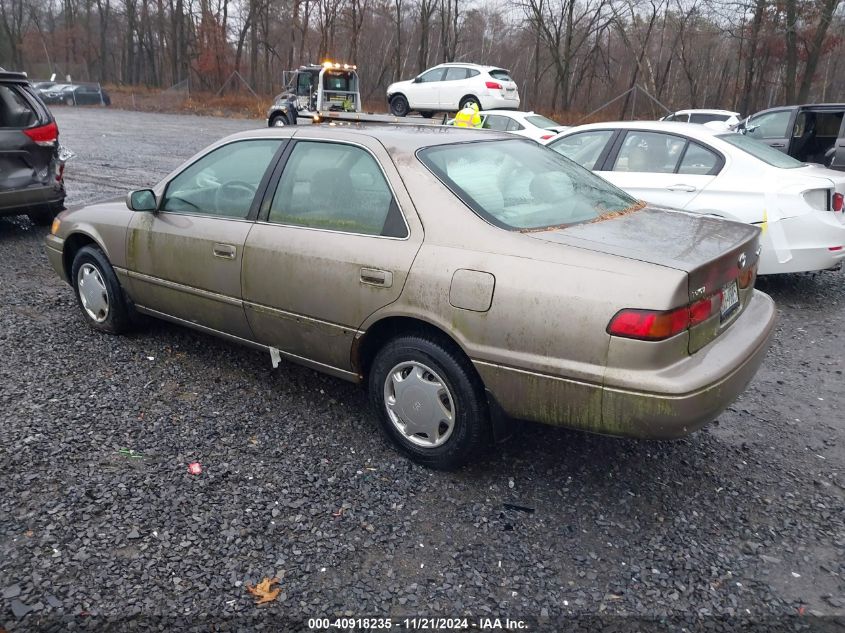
(260, 191)
(610, 159)
(273, 182)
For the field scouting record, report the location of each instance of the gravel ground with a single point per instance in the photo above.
(740, 523)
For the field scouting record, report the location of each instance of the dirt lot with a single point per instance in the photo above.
(740, 523)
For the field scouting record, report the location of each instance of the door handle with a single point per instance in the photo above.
(224, 251)
(778, 145)
(376, 277)
(687, 188)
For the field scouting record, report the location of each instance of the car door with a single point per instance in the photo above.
(184, 260)
(453, 87)
(774, 128)
(335, 241)
(425, 91)
(838, 161)
(662, 169)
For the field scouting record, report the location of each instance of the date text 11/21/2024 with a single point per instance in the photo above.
(415, 624)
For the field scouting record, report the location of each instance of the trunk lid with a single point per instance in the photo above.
(713, 252)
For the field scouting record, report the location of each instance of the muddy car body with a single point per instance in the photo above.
(453, 305)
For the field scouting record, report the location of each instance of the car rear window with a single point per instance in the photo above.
(519, 185)
(501, 75)
(698, 117)
(15, 111)
(760, 150)
(541, 122)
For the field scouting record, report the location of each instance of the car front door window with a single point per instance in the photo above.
(222, 183)
(770, 125)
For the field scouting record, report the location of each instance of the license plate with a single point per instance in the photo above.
(730, 299)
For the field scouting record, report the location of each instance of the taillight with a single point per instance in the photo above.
(648, 325)
(45, 135)
(493, 85)
(837, 202)
(546, 137)
(654, 325)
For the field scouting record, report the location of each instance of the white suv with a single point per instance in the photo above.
(450, 87)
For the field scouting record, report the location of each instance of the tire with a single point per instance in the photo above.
(427, 363)
(90, 266)
(427, 115)
(278, 120)
(43, 216)
(399, 106)
(69, 101)
(467, 100)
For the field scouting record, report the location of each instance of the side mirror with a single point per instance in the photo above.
(141, 200)
(418, 79)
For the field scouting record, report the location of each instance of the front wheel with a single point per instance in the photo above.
(69, 101)
(427, 114)
(430, 402)
(278, 120)
(399, 106)
(98, 292)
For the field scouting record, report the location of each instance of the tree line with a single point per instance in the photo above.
(566, 55)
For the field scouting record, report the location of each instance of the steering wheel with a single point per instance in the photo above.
(234, 194)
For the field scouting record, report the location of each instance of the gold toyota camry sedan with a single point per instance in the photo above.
(465, 277)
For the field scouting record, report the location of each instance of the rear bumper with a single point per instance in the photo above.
(666, 404)
(20, 201)
(802, 244)
(496, 102)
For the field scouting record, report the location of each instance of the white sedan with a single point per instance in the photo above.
(697, 169)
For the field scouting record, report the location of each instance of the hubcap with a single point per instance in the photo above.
(93, 292)
(279, 122)
(419, 404)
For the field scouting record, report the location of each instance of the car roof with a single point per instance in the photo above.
(705, 111)
(402, 136)
(468, 65)
(693, 130)
(804, 105)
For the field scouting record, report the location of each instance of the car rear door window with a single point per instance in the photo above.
(584, 148)
(15, 111)
(495, 122)
(223, 182)
(698, 160)
(514, 126)
(337, 187)
(455, 74)
(649, 152)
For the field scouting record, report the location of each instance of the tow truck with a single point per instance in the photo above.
(326, 92)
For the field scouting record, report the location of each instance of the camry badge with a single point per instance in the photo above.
(741, 261)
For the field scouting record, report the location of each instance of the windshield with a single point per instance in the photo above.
(760, 150)
(519, 185)
(541, 122)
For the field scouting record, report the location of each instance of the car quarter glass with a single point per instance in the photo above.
(337, 187)
(698, 160)
(519, 185)
(223, 182)
(584, 148)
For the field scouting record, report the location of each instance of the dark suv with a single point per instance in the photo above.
(809, 133)
(31, 174)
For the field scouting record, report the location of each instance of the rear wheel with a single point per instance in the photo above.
(468, 100)
(43, 216)
(430, 402)
(399, 106)
(98, 292)
(427, 114)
